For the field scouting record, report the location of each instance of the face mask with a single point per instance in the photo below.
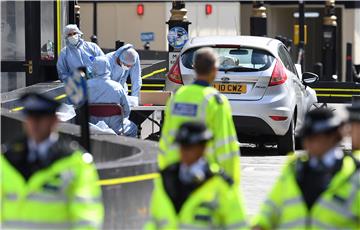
(124, 67)
(73, 39)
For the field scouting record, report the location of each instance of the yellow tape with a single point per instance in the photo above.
(337, 90)
(61, 96)
(130, 179)
(151, 85)
(58, 25)
(333, 95)
(17, 109)
(153, 73)
(149, 90)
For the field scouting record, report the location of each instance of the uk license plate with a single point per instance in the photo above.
(230, 88)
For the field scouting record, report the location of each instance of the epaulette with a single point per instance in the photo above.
(218, 98)
(226, 177)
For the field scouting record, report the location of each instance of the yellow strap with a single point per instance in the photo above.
(337, 90)
(151, 85)
(334, 95)
(130, 179)
(61, 96)
(154, 72)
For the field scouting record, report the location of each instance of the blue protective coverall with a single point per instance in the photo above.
(72, 57)
(104, 90)
(121, 76)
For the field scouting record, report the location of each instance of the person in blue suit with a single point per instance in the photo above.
(125, 62)
(76, 53)
(104, 90)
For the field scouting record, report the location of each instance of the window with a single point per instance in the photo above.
(250, 59)
(286, 59)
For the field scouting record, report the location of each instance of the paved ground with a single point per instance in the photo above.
(257, 176)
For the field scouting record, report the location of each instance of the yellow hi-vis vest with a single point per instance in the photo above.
(338, 207)
(214, 205)
(196, 102)
(64, 195)
(356, 154)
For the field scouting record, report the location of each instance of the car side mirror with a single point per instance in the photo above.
(309, 78)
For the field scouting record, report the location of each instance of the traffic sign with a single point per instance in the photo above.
(172, 58)
(76, 88)
(147, 36)
(177, 37)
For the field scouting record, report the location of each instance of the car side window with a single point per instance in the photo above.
(286, 59)
(291, 63)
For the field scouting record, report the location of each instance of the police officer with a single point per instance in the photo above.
(201, 101)
(193, 194)
(317, 190)
(354, 118)
(47, 182)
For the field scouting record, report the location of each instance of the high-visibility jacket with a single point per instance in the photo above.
(64, 195)
(356, 154)
(204, 103)
(338, 207)
(215, 204)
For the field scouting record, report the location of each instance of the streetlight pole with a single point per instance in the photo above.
(178, 32)
(329, 41)
(301, 46)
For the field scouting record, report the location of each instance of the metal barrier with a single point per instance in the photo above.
(336, 92)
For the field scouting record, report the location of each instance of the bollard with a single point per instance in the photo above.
(349, 67)
(94, 39)
(147, 46)
(119, 44)
(258, 19)
(329, 41)
(318, 69)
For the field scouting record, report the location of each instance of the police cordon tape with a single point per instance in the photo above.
(129, 179)
(154, 73)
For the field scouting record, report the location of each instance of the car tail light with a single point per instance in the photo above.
(278, 75)
(278, 118)
(174, 74)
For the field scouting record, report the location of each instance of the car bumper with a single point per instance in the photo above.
(253, 117)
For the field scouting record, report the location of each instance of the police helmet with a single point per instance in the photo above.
(191, 133)
(36, 104)
(319, 121)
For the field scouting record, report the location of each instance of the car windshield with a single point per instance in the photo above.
(238, 59)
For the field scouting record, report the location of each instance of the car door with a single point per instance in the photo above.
(298, 87)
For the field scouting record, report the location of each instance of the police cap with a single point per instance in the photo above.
(194, 132)
(36, 104)
(354, 112)
(319, 121)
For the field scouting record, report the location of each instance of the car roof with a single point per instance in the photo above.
(265, 43)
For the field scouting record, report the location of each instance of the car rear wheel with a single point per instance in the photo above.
(286, 143)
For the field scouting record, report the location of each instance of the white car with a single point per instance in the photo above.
(268, 97)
